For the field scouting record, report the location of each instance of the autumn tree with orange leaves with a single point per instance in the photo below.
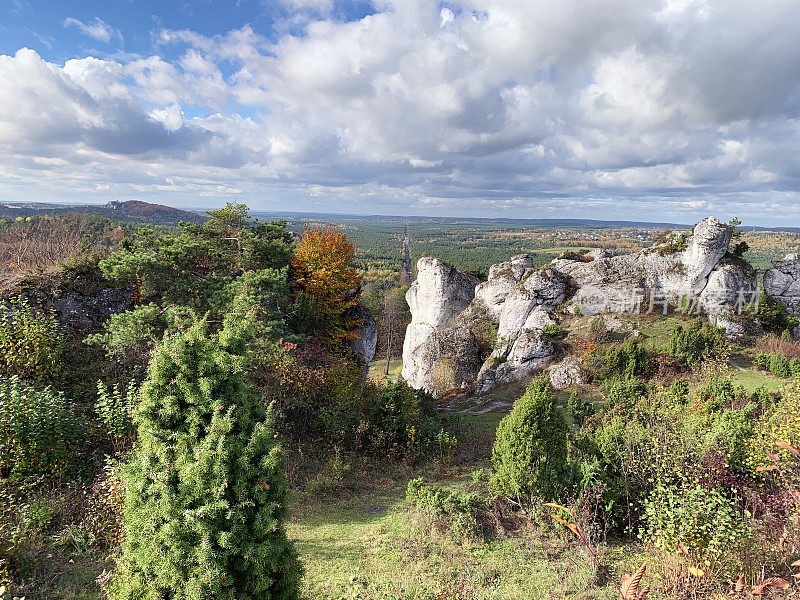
(328, 284)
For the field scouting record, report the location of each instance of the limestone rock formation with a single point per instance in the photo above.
(367, 341)
(567, 372)
(519, 356)
(432, 355)
(782, 282)
(464, 333)
(677, 269)
(503, 278)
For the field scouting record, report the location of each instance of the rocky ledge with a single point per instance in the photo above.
(470, 334)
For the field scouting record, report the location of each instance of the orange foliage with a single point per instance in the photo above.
(322, 264)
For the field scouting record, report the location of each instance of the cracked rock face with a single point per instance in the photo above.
(446, 344)
(782, 282)
(667, 273)
(439, 294)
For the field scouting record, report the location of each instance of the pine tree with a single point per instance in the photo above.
(530, 449)
(205, 491)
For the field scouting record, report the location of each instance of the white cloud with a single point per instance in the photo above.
(321, 6)
(97, 29)
(490, 105)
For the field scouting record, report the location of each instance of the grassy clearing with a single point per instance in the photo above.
(377, 369)
(366, 542)
(752, 379)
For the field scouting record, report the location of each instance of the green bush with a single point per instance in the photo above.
(530, 450)
(30, 342)
(402, 421)
(554, 332)
(597, 329)
(205, 495)
(115, 409)
(709, 525)
(459, 512)
(697, 342)
(39, 430)
(778, 364)
(679, 390)
(718, 392)
(624, 391)
(579, 408)
(627, 360)
(774, 316)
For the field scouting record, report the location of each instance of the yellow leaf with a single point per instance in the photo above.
(696, 572)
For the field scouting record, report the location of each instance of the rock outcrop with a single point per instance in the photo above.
(693, 269)
(367, 341)
(464, 333)
(436, 350)
(80, 298)
(782, 282)
(567, 372)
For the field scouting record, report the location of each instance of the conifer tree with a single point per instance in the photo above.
(530, 449)
(205, 491)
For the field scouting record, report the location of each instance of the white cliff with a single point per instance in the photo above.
(453, 316)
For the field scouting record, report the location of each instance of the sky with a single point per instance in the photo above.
(665, 110)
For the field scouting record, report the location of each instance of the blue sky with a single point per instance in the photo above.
(639, 109)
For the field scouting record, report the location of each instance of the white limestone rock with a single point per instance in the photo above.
(453, 317)
(566, 373)
(546, 288)
(662, 274)
(782, 282)
(731, 286)
(520, 357)
(502, 280)
(439, 293)
(437, 297)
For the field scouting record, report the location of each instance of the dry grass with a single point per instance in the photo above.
(775, 343)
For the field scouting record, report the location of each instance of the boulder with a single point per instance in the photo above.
(567, 372)
(734, 330)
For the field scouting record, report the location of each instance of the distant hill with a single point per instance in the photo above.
(131, 211)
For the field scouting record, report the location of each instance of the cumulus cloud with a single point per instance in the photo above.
(97, 29)
(645, 108)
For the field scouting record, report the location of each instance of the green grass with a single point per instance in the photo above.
(377, 369)
(365, 541)
(373, 545)
(752, 380)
